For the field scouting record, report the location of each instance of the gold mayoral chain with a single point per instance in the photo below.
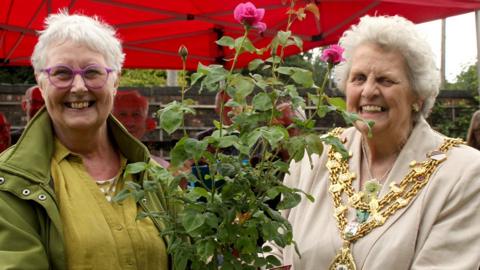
(371, 212)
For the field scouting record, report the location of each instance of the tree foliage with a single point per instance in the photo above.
(143, 77)
(453, 119)
(466, 80)
(17, 75)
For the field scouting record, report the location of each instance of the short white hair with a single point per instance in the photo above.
(397, 33)
(89, 31)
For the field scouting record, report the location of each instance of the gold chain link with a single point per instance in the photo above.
(398, 196)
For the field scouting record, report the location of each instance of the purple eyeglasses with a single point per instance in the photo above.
(62, 76)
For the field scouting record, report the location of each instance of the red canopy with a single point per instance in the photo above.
(152, 31)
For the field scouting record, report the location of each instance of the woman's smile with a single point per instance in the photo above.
(79, 105)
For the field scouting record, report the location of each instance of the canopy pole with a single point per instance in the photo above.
(477, 26)
(172, 77)
(442, 57)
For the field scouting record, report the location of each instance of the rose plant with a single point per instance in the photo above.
(224, 217)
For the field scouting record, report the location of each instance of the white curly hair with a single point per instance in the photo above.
(89, 31)
(398, 33)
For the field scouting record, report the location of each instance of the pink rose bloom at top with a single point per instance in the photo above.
(248, 14)
(332, 54)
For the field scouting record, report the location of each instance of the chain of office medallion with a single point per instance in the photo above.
(394, 200)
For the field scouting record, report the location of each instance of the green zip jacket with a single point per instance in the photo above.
(31, 234)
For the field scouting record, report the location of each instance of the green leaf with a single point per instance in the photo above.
(138, 195)
(178, 154)
(226, 41)
(180, 258)
(171, 117)
(337, 102)
(289, 200)
(202, 69)
(192, 220)
(252, 137)
(266, 67)
(281, 166)
(195, 148)
(246, 46)
(227, 141)
(226, 169)
(298, 42)
(197, 193)
(272, 193)
(134, 168)
(316, 100)
(122, 195)
(285, 70)
(274, 134)
(195, 77)
(150, 185)
(254, 64)
(296, 147)
(132, 185)
(242, 87)
(262, 102)
(274, 59)
(350, 118)
(259, 81)
(212, 80)
(324, 109)
(336, 144)
(205, 249)
(273, 260)
(314, 144)
(274, 46)
(303, 77)
(283, 36)
(211, 220)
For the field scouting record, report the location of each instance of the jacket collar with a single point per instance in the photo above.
(31, 156)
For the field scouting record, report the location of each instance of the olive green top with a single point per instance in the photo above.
(100, 234)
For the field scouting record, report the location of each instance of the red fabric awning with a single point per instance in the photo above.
(152, 31)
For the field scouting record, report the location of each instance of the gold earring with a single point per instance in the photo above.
(415, 107)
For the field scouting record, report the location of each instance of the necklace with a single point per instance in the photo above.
(376, 211)
(369, 170)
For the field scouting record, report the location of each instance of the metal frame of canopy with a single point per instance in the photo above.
(152, 31)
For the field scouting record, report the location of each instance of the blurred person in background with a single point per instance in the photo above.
(4, 133)
(131, 109)
(473, 135)
(32, 102)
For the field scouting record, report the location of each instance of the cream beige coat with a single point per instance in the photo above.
(440, 229)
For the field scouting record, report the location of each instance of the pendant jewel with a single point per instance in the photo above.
(351, 229)
(362, 215)
(372, 187)
(343, 260)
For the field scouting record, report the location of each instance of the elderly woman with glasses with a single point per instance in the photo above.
(57, 182)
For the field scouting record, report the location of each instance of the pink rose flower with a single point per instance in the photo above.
(332, 54)
(248, 14)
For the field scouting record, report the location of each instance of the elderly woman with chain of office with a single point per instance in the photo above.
(57, 182)
(407, 197)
